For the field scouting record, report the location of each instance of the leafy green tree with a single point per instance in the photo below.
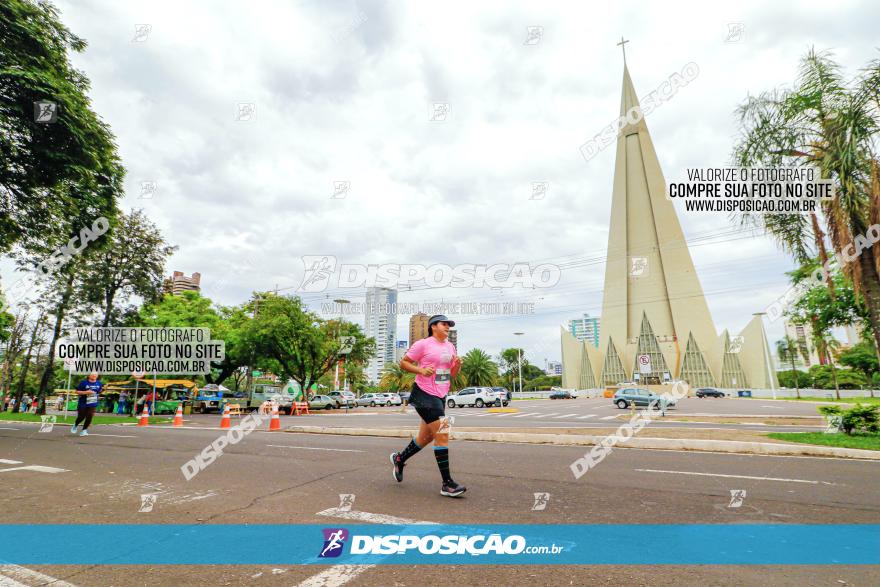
(479, 369)
(794, 378)
(299, 344)
(508, 362)
(830, 123)
(394, 378)
(132, 263)
(824, 378)
(543, 382)
(54, 176)
(861, 357)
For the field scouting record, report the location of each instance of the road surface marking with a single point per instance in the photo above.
(8, 428)
(735, 476)
(315, 448)
(504, 414)
(368, 517)
(587, 416)
(12, 572)
(113, 435)
(773, 407)
(38, 468)
(545, 415)
(566, 416)
(608, 417)
(8, 462)
(529, 414)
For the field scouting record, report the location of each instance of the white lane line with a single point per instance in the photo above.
(587, 416)
(368, 517)
(315, 448)
(112, 435)
(335, 576)
(525, 415)
(565, 416)
(503, 414)
(608, 417)
(8, 462)
(37, 468)
(735, 476)
(25, 574)
(546, 415)
(8, 428)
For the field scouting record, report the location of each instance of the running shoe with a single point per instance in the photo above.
(397, 471)
(84, 433)
(74, 429)
(452, 489)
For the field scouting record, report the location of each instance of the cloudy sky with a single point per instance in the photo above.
(346, 92)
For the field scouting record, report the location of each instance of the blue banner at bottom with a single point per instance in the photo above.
(330, 544)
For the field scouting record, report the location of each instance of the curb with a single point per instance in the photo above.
(686, 444)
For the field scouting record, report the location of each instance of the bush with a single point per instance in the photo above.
(858, 417)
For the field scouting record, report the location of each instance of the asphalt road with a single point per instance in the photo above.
(290, 478)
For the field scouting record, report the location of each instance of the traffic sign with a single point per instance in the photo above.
(644, 364)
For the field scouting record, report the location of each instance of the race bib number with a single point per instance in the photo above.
(442, 376)
(92, 398)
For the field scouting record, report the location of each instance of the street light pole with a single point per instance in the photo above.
(341, 318)
(519, 361)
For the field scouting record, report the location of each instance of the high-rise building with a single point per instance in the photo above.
(656, 325)
(400, 349)
(418, 327)
(585, 329)
(553, 368)
(179, 283)
(802, 335)
(380, 324)
(453, 337)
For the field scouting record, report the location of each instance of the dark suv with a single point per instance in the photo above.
(709, 392)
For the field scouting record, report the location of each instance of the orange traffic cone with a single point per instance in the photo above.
(225, 421)
(275, 422)
(145, 417)
(178, 417)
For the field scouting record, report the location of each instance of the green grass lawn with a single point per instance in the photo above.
(71, 418)
(862, 440)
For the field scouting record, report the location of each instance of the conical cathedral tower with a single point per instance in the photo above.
(656, 326)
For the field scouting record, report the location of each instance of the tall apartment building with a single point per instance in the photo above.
(179, 283)
(400, 349)
(418, 327)
(585, 328)
(802, 334)
(554, 368)
(380, 324)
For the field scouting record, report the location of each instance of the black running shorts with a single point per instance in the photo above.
(429, 407)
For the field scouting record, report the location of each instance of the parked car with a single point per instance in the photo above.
(404, 396)
(561, 394)
(506, 392)
(375, 399)
(343, 398)
(394, 398)
(322, 402)
(623, 398)
(709, 392)
(474, 396)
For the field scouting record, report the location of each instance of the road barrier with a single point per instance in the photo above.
(178, 417)
(145, 417)
(275, 422)
(225, 421)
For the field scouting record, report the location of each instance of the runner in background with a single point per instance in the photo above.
(87, 390)
(438, 363)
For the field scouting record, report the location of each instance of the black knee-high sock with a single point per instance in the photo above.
(441, 453)
(411, 449)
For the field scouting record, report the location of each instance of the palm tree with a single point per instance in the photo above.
(479, 369)
(826, 346)
(394, 378)
(828, 124)
(787, 350)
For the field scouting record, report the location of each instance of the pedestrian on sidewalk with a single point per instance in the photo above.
(25, 404)
(123, 400)
(435, 362)
(87, 390)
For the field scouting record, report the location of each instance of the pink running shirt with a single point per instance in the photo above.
(429, 352)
